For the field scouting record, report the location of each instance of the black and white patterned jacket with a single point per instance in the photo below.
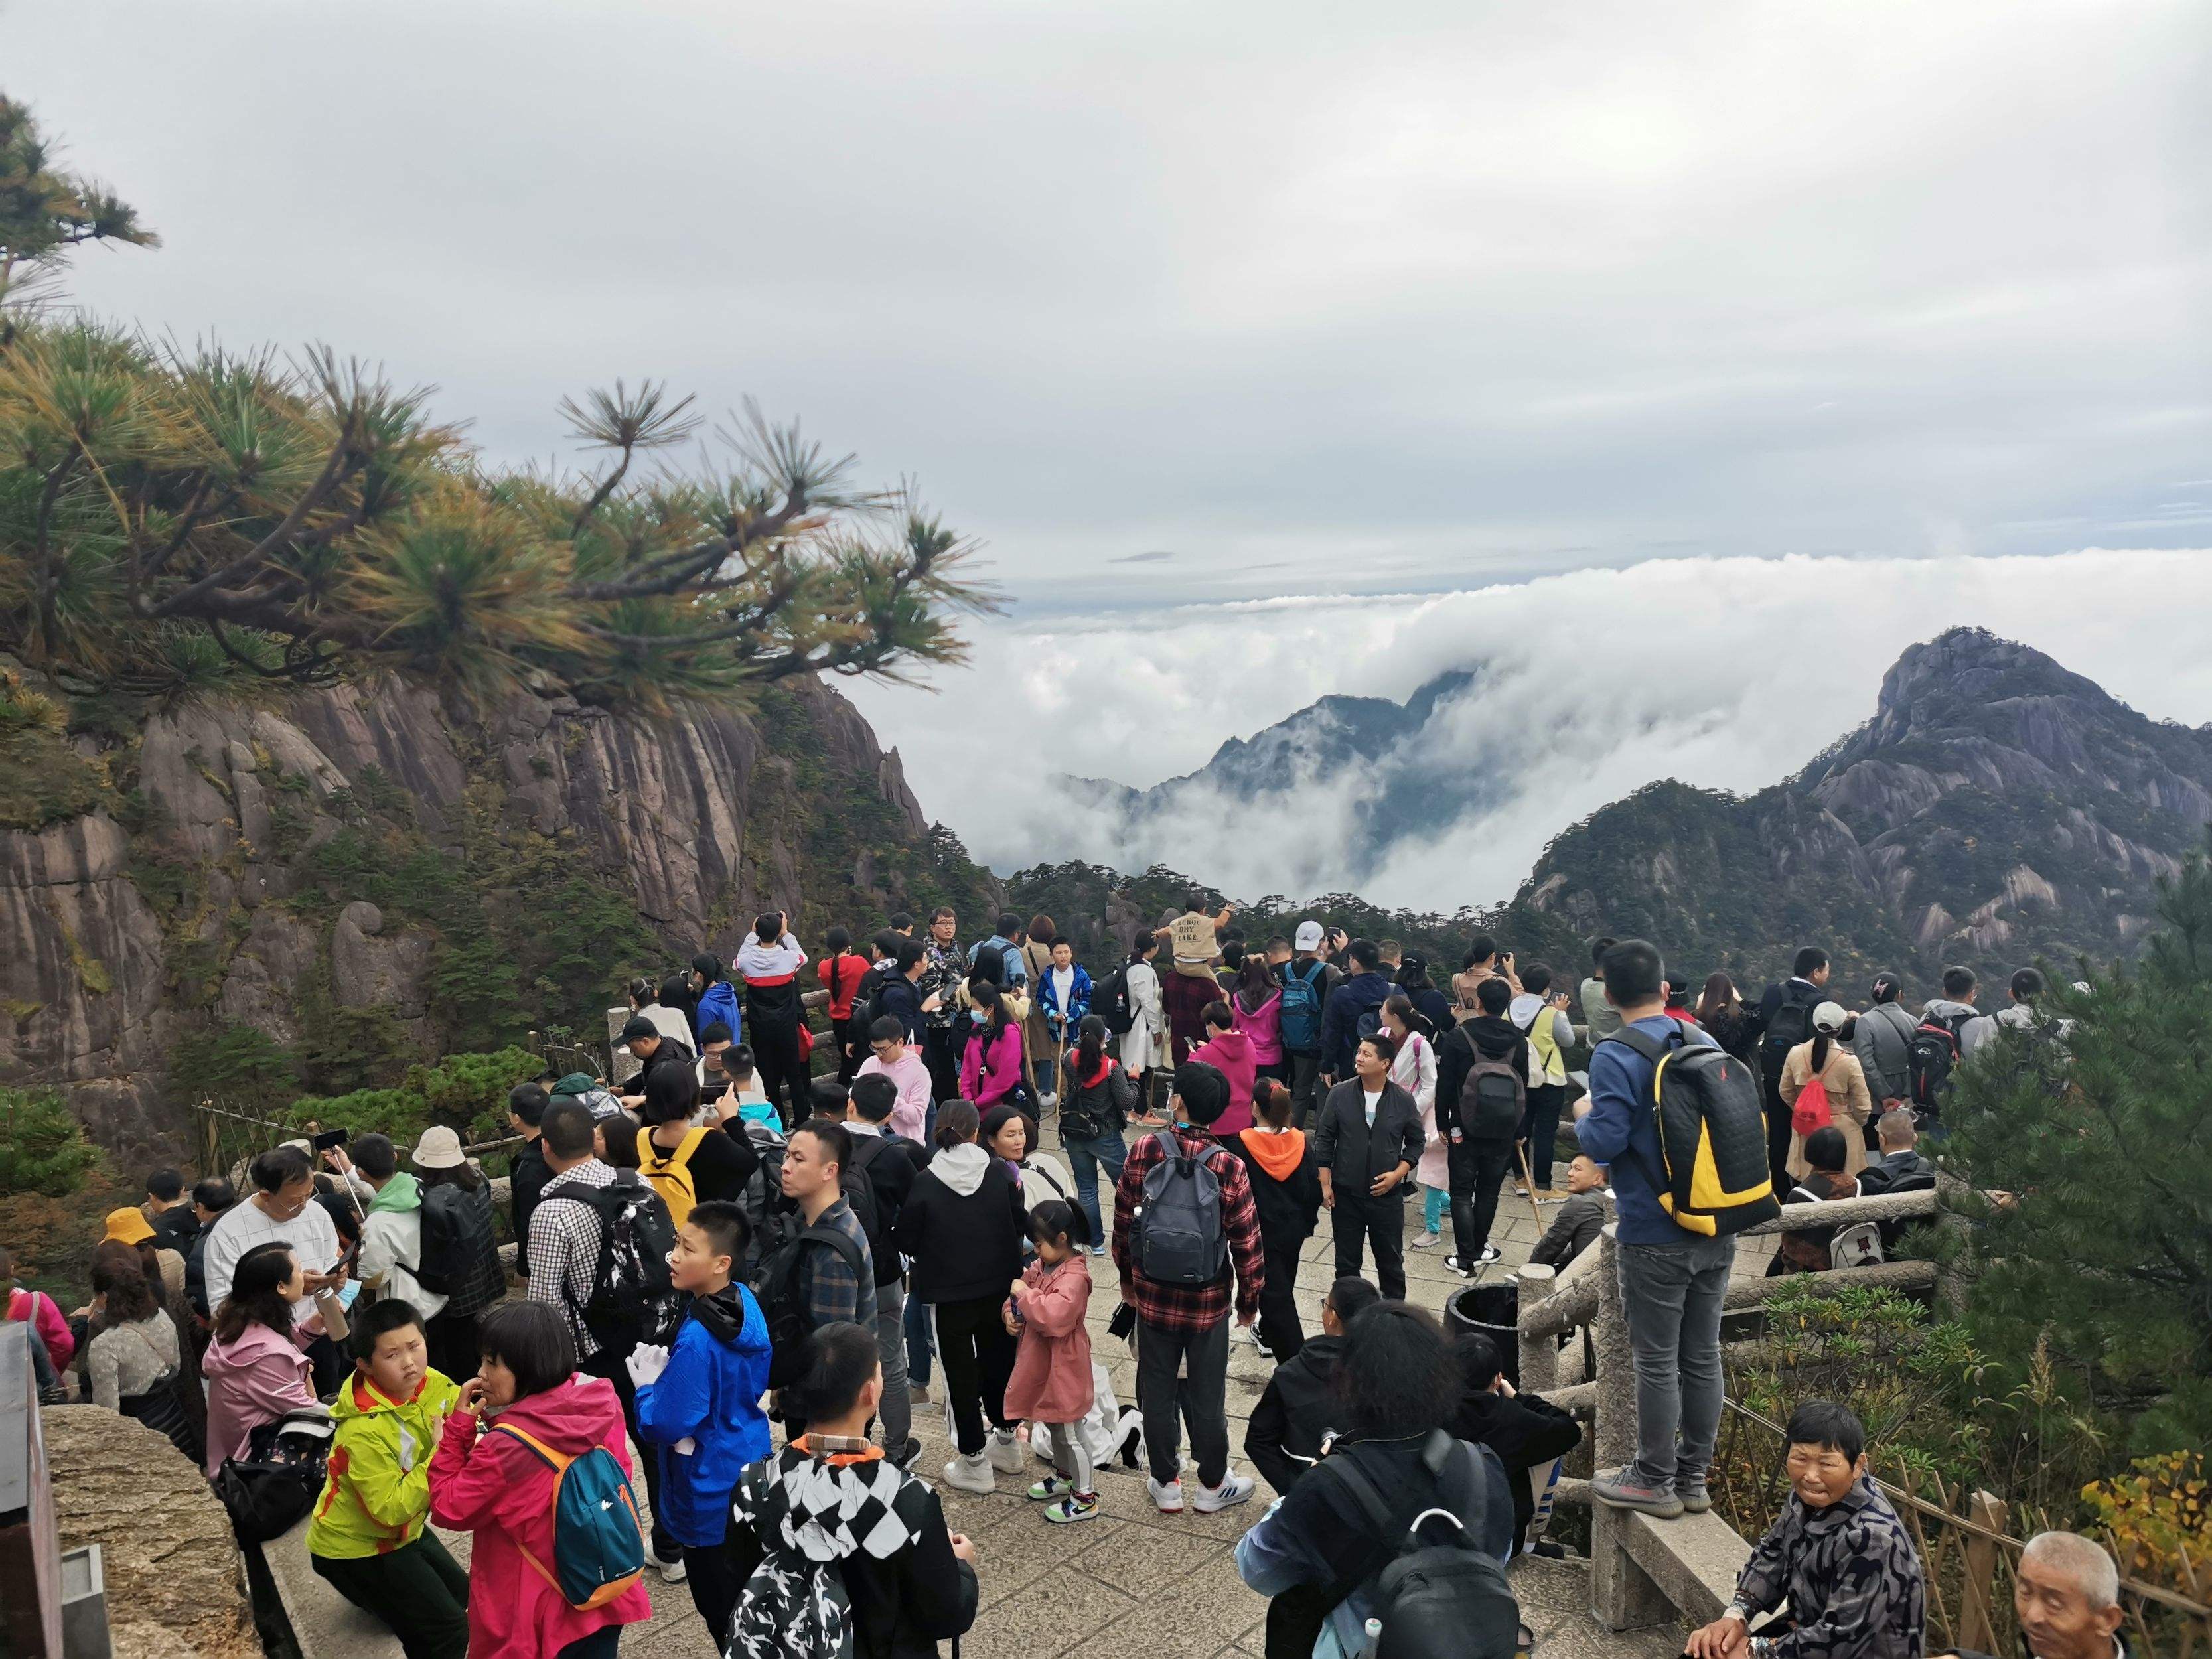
(1851, 1576)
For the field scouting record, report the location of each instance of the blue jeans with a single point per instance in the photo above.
(1083, 1158)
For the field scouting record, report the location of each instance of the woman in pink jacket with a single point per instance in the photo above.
(45, 1316)
(1257, 1006)
(1051, 1385)
(253, 1364)
(991, 1067)
(496, 1487)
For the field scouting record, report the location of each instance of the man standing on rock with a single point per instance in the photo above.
(770, 962)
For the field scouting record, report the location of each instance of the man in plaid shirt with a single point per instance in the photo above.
(1177, 1323)
(564, 1256)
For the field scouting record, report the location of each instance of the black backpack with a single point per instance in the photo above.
(1111, 1002)
(1445, 1599)
(775, 1287)
(270, 1489)
(1792, 1024)
(860, 1190)
(460, 1256)
(1492, 1098)
(1712, 1136)
(631, 1299)
(1931, 1055)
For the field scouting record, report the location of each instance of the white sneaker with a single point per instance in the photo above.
(672, 1572)
(1248, 1334)
(1168, 1498)
(965, 1474)
(1234, 1489)
(1047, 1101)
(1003, 1451)
(1425, 1241)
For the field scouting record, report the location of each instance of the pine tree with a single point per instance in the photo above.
(174, 521)
(2100, 1132)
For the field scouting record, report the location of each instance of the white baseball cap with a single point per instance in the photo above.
(1309, 936)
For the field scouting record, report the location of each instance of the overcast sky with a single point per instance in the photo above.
(1174, 305)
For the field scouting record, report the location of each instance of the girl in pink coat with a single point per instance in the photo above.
(1051, 1382)
(253, 1364)
(498, 1487)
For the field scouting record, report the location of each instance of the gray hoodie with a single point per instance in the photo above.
(1943, 1010)
(961, 1167)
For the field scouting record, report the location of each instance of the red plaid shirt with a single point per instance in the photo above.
(1192, 1307)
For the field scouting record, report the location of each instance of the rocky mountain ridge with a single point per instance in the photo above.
(1995, 808)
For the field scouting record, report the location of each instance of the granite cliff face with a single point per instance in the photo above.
(1995, 808)
(329, 864)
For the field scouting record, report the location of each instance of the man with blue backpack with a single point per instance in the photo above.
(1306, 980)
(1184, 1221)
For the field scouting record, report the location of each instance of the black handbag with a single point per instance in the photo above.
(270, 1490)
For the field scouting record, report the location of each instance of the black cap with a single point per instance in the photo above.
(640, 1026)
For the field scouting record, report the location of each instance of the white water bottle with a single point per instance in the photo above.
(1374, 1643)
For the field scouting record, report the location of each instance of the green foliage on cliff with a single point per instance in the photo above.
(43, 778)
(43, 1149)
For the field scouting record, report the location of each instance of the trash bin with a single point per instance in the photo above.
(1495, 1310)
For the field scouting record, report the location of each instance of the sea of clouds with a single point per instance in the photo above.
(1726, 672)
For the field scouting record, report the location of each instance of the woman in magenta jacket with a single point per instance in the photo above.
(991, 1067)
(496, 1487)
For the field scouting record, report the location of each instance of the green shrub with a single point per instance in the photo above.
(43, 1148)
(465, 1092)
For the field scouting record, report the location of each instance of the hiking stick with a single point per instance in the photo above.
(1529, 1181)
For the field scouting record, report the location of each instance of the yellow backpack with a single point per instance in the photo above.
(670, 1173)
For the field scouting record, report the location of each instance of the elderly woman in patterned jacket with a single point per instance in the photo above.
(1838, 1554)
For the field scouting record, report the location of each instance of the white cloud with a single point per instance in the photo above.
(1729, 673)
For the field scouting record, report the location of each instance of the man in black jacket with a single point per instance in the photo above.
(1283, 1439)
(1526, 1430)
(889, 1164)
(1363, 992)
(1477, 1161)
(1785, 1015)
(1370, 1139)
(900, 997)
(525, 1109)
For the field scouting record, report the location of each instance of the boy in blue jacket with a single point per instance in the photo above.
(698, 1402)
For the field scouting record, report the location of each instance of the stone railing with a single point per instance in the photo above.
(1646, 1571)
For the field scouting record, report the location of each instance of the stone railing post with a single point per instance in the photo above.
(1622, 1596)
(1539, 1354)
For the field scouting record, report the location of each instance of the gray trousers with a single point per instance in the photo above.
(1672, 1294)
(894, 1411)
(1202, 1397)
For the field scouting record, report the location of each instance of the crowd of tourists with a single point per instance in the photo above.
(733, 1233)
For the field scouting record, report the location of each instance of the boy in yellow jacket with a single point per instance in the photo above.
(367, 1536)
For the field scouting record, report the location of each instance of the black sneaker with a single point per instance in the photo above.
(1490, 1252)
(1454, 1264)
(905, 1455)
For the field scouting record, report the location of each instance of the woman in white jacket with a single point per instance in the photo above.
(1414, 1070)
(1143, 1045)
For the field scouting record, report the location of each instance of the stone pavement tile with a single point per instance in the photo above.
(1141, 1559)
(1062, 1612)
(1193, 1617)
(1010, 1560)
(669, 1636)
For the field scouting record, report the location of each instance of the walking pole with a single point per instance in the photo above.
(1529, 1180)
